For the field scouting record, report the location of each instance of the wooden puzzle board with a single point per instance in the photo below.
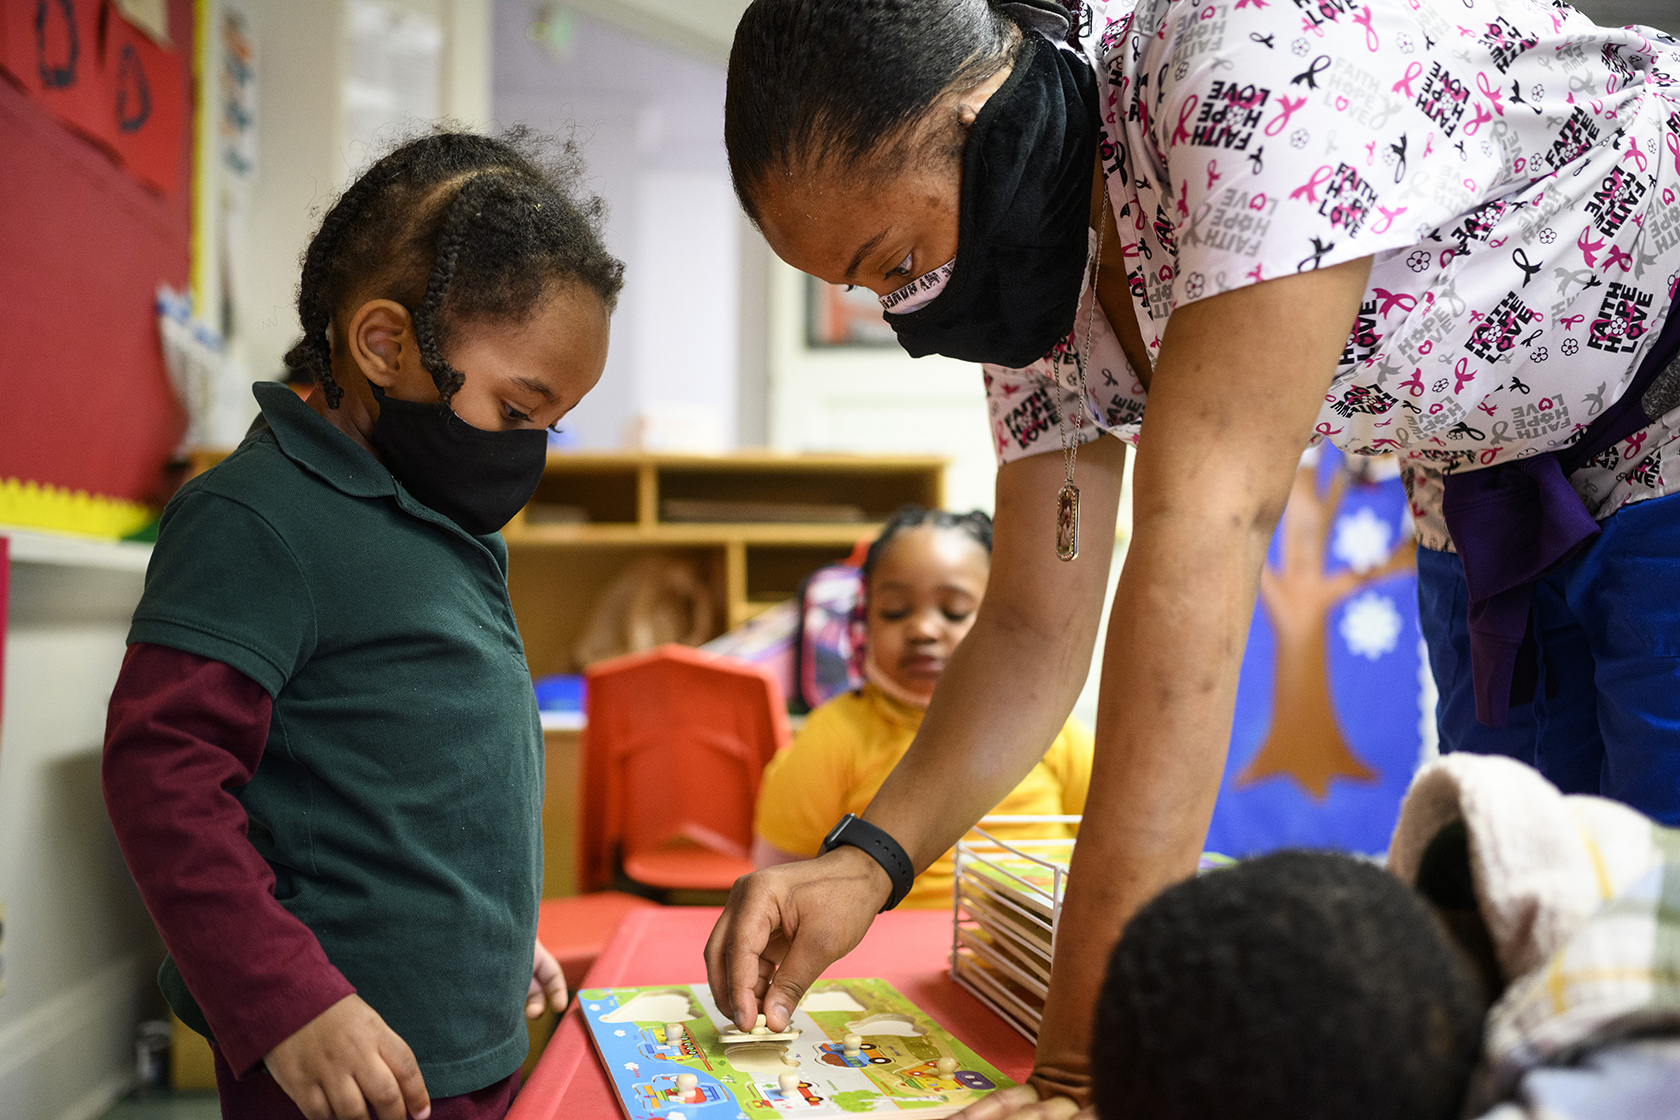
(896, 1068)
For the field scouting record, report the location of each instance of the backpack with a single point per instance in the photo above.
(828, 643)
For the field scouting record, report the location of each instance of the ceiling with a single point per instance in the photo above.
(705, 28)
(701, 28)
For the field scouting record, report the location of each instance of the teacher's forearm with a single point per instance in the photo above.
(1175, 642)
(1001, 701)
(1012, 681)
(1240, 379)
(1181, 618)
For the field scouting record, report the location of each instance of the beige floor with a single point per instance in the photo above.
(167, 1106)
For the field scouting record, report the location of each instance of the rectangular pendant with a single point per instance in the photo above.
(1067, 522)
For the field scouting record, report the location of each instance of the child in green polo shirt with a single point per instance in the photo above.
(323, 758)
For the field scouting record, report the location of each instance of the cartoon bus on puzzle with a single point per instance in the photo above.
(652, 1045)
(834, 1054)
(662, 1092)
(926, 1078)
(772, 1097)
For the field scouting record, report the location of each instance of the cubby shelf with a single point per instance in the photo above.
(688, 533)
(594, 514)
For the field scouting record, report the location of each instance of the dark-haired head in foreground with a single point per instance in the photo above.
(1295, 986)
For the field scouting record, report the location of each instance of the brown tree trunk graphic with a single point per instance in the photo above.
(1305, 742)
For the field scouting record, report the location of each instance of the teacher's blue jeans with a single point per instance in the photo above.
(1606, 714)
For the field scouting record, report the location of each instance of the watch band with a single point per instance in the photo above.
(879, 846)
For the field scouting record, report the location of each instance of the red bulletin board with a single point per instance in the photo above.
(102, 76)
(149, 97)
(51, 49)
(85, 402)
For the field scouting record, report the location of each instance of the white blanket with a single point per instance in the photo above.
(1581, 897)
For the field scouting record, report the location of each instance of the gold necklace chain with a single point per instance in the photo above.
(1067, 498)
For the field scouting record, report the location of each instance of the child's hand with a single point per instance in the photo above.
(346, 1064)
(547, 981)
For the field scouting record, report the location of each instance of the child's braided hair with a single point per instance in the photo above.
(456, 227)
(975, 524)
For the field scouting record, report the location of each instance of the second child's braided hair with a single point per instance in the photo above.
(456, 227)
(976, 524)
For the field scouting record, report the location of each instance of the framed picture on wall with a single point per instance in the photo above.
(837, 317)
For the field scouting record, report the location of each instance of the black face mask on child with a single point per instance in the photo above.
(477, 479)
(1022, 218)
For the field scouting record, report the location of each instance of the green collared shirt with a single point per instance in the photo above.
(398, 800)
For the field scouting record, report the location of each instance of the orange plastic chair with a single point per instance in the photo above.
(577, 929)
(675, 744)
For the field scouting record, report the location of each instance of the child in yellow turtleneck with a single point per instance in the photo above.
(923, 580)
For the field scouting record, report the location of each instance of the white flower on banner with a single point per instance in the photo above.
(1362, 540)
(1371, 625)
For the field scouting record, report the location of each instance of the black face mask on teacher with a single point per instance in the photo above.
(477, 479)
(1022, 218)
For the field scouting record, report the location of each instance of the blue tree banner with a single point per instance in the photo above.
(1334, 706)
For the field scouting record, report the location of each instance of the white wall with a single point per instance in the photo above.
(304, 159)
(649, 121)
(874, 399)
(682, 301)
(80, 952)
(709, 320)
(300, 63)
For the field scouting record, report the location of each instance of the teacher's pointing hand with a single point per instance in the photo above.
(783, 926)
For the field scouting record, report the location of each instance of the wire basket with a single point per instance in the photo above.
(1006, 904)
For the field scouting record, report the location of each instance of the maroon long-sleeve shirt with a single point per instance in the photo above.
(183, 732)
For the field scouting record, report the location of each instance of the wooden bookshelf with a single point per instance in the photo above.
(594, 514)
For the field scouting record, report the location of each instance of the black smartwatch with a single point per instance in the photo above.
(880, 847)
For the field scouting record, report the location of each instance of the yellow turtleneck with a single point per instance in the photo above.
(849, 746)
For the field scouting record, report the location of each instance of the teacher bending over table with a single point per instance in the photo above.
(1442, 229)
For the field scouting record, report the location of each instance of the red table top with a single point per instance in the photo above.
(908, 948)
